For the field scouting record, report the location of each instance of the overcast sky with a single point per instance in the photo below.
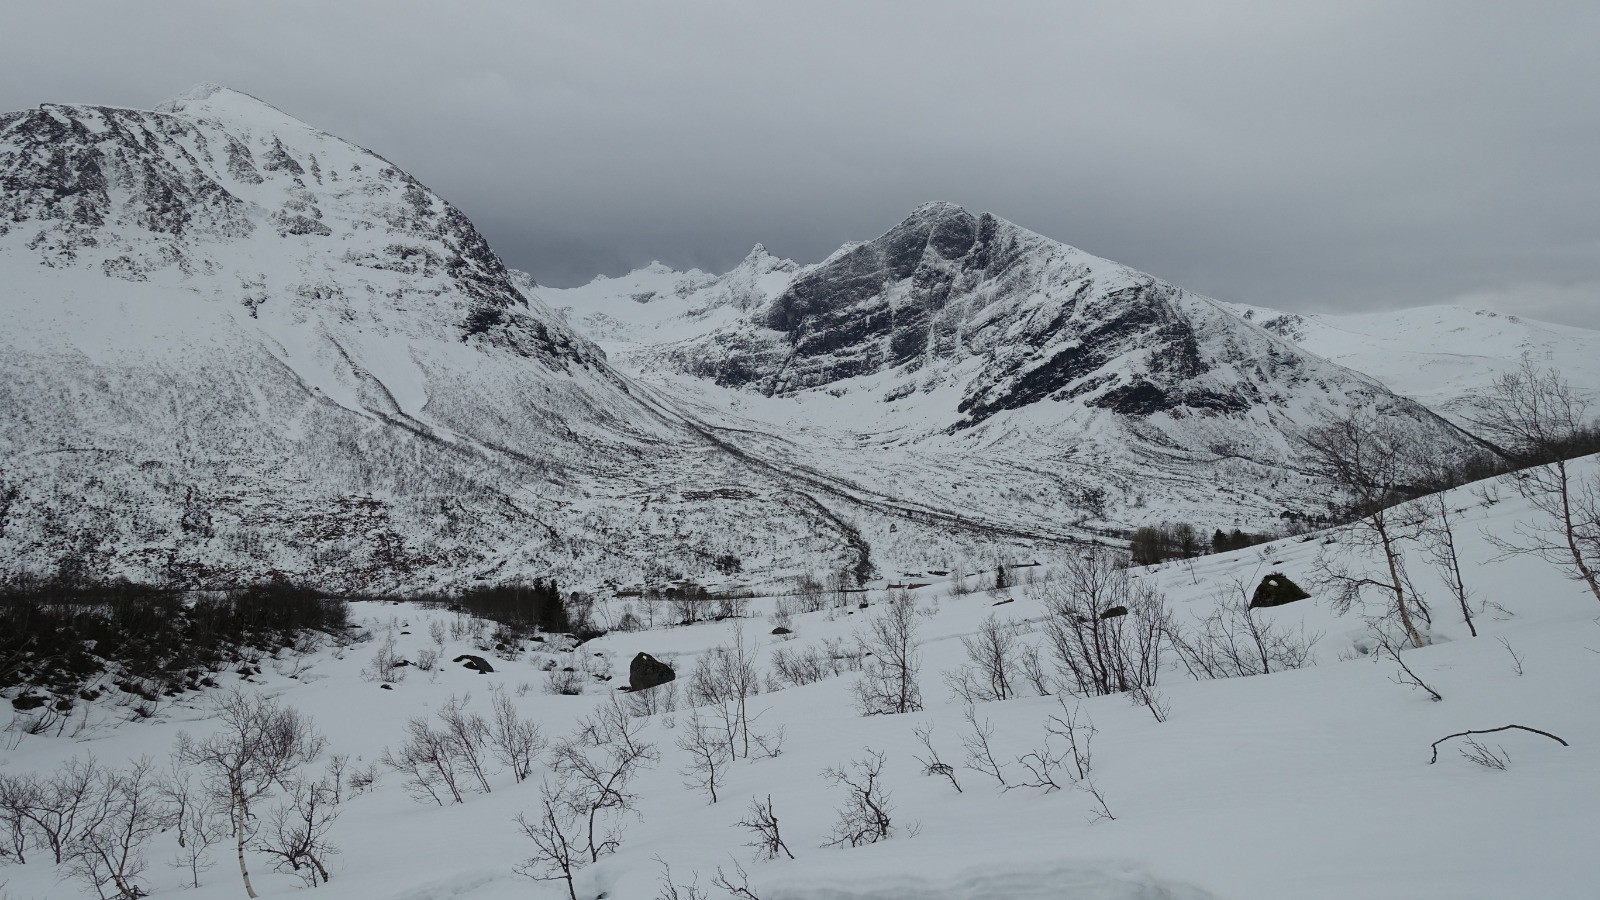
(1333, 157)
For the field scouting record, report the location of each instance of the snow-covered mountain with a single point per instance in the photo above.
(233, 345)
(962, 359)
(1445, 357)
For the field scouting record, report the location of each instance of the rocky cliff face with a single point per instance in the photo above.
(1020, 321)
(967, 362)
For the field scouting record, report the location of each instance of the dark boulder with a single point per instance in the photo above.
(1275, 590)
(477, 663)
(1114, 612)
(646, 672)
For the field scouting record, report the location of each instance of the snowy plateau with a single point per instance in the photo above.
(235, 347)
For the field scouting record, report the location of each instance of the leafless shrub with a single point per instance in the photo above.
(709, 756)
(865, 816)
(48, 812)
(258, 747)
(888, 682)
(428, 762)
(597, 765)
(725, 678)
(557, 835)
(1031, 662)
(1153, 700)
(1233, 640)
(387, 666)
(563, 681)
(1372, 459)
(197, 821)
(1105, 631)
(1405, 676)
(464, 627)
(762, 823)
(736, 884)
(123, 813)
(1100, 810)
(674, 890)
(1075, 728)
(1537, 416)
(1439, 537)
(1041, 765)
(1516, 658)
(931, 764)
(427, 659)
(663, 698)
(782, 614)
(514, 740)
(1481, 754)
(297, 832)
(800, 665)
(467, 736)
(769, 745)
(980, 753)
(992, 663)
(438, 631)
(363, 780)
(809, 594)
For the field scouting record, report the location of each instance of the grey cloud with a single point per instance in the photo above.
(1342, 156)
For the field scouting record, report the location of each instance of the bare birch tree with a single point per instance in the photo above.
(1539, 421)
(1372, 460)
(258, 748)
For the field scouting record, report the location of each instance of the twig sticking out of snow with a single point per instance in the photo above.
(1447, 737)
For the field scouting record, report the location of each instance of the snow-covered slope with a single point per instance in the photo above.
(232, 345)
(961, 360)
(1442, 356)
(1312, 783)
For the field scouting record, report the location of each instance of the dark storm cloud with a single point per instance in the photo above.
(1342, 156)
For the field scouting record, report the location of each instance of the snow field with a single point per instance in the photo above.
(1311, 783)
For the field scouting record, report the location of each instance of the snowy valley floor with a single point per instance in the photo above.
(1312, 783)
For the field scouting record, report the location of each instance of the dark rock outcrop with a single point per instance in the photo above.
(1275, 590)
(476, 663)
(646, 672)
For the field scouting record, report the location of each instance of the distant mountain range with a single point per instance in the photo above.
(233, 346)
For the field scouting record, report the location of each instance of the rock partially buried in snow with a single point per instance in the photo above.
(1275, 590)
(476, 663)
(646, 672)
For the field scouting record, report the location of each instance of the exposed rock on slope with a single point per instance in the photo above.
(1090, 392)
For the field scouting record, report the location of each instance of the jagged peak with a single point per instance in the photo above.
(939, 210)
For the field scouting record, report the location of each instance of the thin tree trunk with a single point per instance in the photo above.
(1447, 537)
(1394, 579)
(238, 833)
(1570, 533)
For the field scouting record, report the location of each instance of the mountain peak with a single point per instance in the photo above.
(222, 102)
(938, 211)
(938, 208)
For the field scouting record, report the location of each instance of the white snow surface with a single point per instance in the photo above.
(1312, 783)
(1445, 357)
